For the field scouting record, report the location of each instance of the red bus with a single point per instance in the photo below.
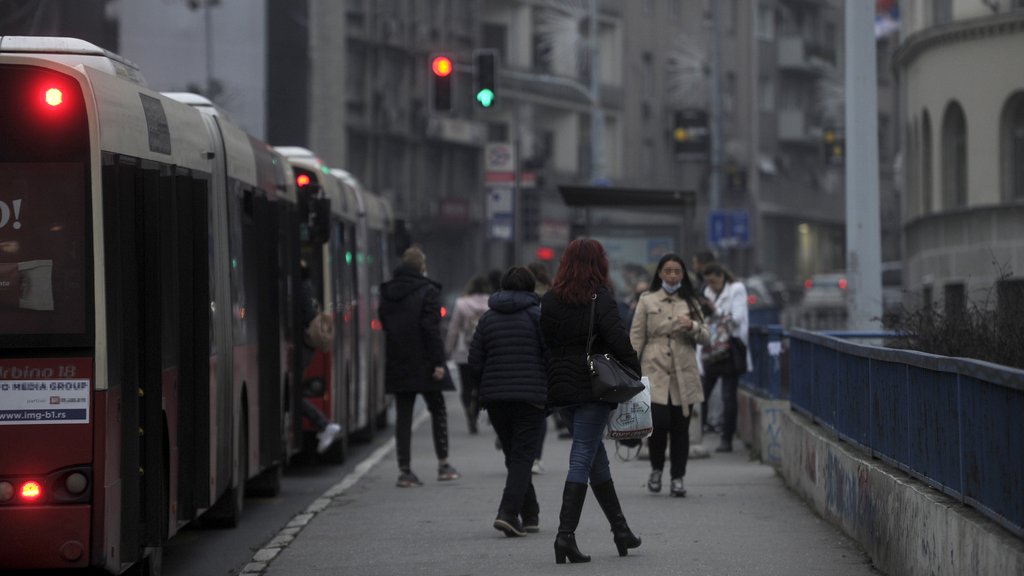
(149, 314)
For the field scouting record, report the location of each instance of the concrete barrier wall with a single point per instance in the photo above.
(906, 527)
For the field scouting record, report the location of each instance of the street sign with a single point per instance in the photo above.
(729, 228)
(500, 213)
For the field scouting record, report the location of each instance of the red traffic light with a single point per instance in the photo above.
(441, 66)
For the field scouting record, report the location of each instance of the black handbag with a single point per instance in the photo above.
(610, 380)
(728, 357)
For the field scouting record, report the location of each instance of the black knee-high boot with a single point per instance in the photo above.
(568, 518)
(609, 501)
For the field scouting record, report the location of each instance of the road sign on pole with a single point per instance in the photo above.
(729, 228)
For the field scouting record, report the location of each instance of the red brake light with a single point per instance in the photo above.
(546, 254)
(31, 491)
(751, 300)
(444, 311)
(842, 283)
(302, 180)
(808, 284)
(54, 97)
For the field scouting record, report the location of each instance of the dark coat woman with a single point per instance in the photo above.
(582, 281)
(509, 360)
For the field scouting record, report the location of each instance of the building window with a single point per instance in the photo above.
(648, 72)
(1012, 148)
(765, 23)
(955, 301)
(954, 157)
(926, 163)
(767, 95)
(910, 168)
(942, 11)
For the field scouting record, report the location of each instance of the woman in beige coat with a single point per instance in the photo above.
(667, 326)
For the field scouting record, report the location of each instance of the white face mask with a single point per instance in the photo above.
(671, 288)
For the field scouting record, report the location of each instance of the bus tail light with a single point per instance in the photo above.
(54, 97)
(31, 491)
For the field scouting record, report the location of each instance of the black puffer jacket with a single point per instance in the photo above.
(410, 311)
(565, 329)
(507, 355)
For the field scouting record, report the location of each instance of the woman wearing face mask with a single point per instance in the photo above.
(667, 326)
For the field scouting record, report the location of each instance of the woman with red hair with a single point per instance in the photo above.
(582, 285)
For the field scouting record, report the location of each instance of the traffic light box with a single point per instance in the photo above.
(441, 72)
(485, 90)
(835, 148)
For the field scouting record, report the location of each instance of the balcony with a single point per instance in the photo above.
(793, 127)
(798, 55)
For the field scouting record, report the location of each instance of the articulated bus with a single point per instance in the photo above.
(149, 310)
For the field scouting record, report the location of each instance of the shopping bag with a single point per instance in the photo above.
(631, 420)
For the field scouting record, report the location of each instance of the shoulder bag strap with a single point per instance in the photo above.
(590, 332)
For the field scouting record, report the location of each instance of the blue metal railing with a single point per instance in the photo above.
(954, 423)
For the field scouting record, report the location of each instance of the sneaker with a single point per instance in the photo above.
(326, 437)
(407, 480)
(725, 446)
(446, 472)
(654, 482)
(531, 524)
(677, 488)
(538, 467)
(509, 524)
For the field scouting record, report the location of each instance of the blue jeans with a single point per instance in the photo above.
(587, 457)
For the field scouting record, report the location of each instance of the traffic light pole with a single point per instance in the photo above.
(596, 114)
(863, 227)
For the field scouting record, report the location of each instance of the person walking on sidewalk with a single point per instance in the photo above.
(582, 284)
(410, 313)
(508, 359)
(468, 309)
(667, 327)
(728, 301)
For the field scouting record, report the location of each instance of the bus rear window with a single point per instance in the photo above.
(45, 252)
(43, 248)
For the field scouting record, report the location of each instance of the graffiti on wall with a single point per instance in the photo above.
(773, 433)
(847, 492)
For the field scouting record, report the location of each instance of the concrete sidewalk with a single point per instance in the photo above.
(738, 518)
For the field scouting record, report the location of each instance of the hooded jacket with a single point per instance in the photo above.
(566, 329)
(506, 354)
(410, 312)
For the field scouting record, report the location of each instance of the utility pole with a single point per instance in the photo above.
(596, 115)
(863, 240)
(716, 114)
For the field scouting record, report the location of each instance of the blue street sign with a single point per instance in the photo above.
(729, 228)
(741, 227)
(716, 227)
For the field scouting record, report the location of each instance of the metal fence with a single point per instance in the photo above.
(954, 423)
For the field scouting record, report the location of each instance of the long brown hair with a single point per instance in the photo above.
(584, 267)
